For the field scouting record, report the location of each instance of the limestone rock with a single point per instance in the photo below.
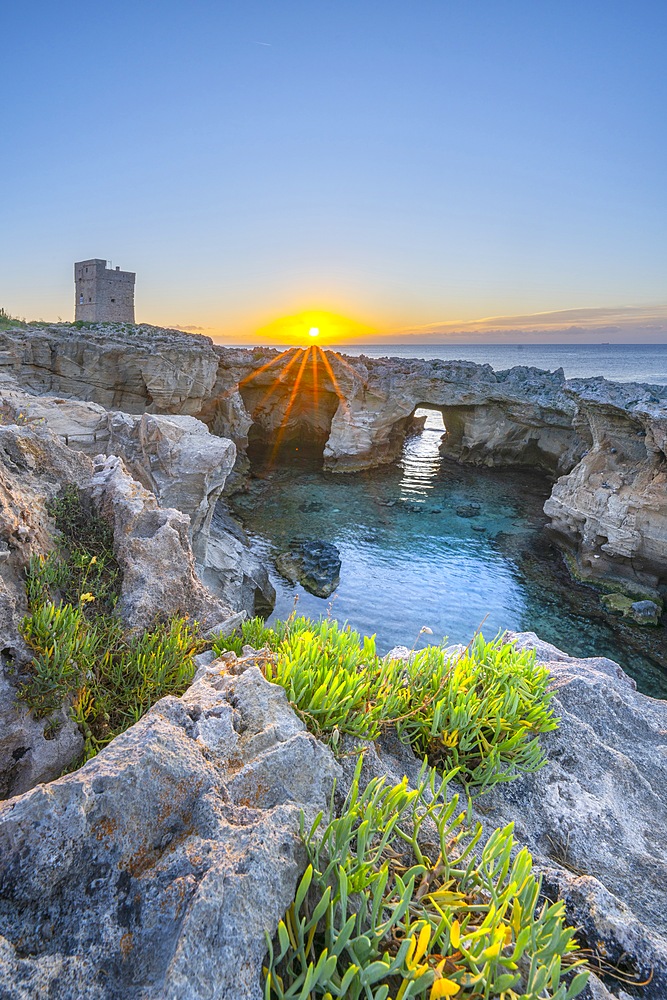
(592, 816)
(34, 466)
(120, 366)
(156, 869)
(152, 548)
(232, 571)
(179, 461)
(313, 564)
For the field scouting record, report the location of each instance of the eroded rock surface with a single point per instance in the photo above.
(607, 442)
(312, 563)
(156, 870)
(152, 548)
(179, 461)
(34, 467)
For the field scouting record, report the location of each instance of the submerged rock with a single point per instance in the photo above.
(157, 869)
(641, 612)
(646, 612)
(313, 564)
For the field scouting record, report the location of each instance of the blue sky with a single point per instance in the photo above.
(428, 165)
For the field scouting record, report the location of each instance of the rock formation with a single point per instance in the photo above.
(180, 462)
(156, 869)
(151, 545)
(313, 564)
(606, 442)
(34, 467)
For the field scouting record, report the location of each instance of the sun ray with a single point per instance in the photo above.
(290, 403)
(316, 388)
(258, 371)
(334, 382)
(280, 377)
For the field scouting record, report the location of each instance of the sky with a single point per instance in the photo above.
(426, 170)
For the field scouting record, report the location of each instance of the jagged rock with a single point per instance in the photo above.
(176, 457)
(608, 442)
(152, 548)
(232, 571)
(313, 564)
(610, 512)
(156, 870)
(136, 368)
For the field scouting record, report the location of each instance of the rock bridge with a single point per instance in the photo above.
(604, 445)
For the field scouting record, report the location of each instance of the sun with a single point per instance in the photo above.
(313, 324)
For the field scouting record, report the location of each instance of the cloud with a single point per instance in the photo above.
(190, 329)
(614, 323)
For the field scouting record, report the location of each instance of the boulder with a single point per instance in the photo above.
(157, 869)
(152, 548)
(313, 564)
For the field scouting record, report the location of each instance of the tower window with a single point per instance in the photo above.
(113, 300)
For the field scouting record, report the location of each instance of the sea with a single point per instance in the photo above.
(616, 362)
(429, 543)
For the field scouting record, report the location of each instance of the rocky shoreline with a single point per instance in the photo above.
(603, 444)
(158, 868)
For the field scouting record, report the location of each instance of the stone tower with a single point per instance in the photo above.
(102, 293)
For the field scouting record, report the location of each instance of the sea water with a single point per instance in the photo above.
(430, 543)
(617, 362)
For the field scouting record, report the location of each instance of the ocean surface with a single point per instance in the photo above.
(617, 362)
(427, 542)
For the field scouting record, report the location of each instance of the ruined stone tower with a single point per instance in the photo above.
(102, 293)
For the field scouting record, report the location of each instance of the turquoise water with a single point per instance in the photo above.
(410, 560)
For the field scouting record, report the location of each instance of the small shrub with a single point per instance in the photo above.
(481, 712)
(398, 901)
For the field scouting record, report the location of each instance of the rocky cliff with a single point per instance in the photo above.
(605, 442)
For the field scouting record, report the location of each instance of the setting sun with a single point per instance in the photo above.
(328, 327)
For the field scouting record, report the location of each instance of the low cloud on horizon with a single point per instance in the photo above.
(615, 324)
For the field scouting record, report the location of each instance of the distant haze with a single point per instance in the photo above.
(441, 170)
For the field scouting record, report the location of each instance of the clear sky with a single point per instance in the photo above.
(441, 166)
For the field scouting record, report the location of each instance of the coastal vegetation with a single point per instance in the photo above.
(479, 710)
(401, 899)
(82, 656)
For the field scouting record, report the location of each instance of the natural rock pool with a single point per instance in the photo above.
(428, 542)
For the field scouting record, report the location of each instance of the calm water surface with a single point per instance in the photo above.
(617, 362)
(413, 555)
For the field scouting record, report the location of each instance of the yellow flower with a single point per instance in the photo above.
(455, 934)
(93, 561)
(86, 598)
(444, 988)
(418, 946)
